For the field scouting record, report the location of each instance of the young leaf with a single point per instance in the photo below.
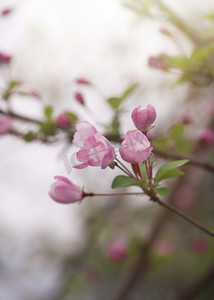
(123, 181)
(168, 170)
(163, 191)
(128, 91)
(48, 112)
(115, 102)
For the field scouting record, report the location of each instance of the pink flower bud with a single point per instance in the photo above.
(200, 245)
(163, 247)
(64, 191)
(4, 58)
(63, 121)
(207, 137)
(5, 124)
(79, 97)
(6, 11)
(157, 62)
(82, 80)
(135, 148)
(95, 150)
(116, 250)
(144, 117)
(187, 119)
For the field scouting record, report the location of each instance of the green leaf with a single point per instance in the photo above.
(163, 191)
(115, 102)
(128, 91)
(123, 181)
(168, 170)
(143, 171)
(13, 84)
(30, 136)
(72, 116)
(48, 111)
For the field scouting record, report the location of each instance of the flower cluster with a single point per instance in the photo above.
(96, 150)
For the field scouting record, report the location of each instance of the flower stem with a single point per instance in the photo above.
(126, 170)
(112, 194)
(179, 213)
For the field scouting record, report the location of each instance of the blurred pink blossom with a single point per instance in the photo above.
(5, 123)
(82, 80)
(207, 137)
(163, 247)
(63, 121)
(144, 117)
(135, 148)
(4, 58)
(187, 119)
(157, 62)
(79, 97)
(116, 250)
(200, 245)
(64, 191)
(95, 150)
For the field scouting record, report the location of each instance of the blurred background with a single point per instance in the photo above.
(53, 251)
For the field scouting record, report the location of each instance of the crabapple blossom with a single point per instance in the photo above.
(207, 137)
(116, 250)
(95, 150)
(143, 117)
(64, 191)
(135, 148)
(5, 123)
(63, 121)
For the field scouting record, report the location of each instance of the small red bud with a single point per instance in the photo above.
(79, 97)
(6, 11)
(82, 80)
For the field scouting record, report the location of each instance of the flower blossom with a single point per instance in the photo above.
(116, 250)
(63, 121)
(95, 150)
(5, 124)
(64, 191)
(143, 117)
(135, 148)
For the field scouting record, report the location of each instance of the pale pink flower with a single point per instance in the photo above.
(63, 121)
(5, 124)
(64, 191)
(95, 150)
(4, 58)
(200, 245)
(82, 80)
(163, 247)
(116, 250)
(135, 148)
(207, 137)
(187, 119)
(144, 117)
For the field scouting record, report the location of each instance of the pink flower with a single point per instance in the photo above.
(187, 119)
(95, 150)
(4, 58)
(158, 62)
(116, 250)
(64, 191)
(5, 124)
(63, 121)
(82, 80)
(200, 245)
(79, 97)
(143, 117)
(207, 137)
(135, 148)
